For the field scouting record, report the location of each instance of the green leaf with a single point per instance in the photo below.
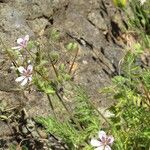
(54, 56)
(3, 117)
(119, 80)
(120, 3)
(71, 46)
(55, 34)
(49, 90)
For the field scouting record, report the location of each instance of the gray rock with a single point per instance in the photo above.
(96, 18)
(80, 21)
(38, 25)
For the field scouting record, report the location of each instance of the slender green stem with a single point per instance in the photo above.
(73, 61)
(69, 112)
(29, 53)
(54, 68)
(51, 105)
(94, 107)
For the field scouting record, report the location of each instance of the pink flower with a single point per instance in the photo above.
(26, 74)
(104, 141)
(22, 43)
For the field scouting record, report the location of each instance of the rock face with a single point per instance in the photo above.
(91, 23)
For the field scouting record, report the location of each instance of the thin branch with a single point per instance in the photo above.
(71, 67)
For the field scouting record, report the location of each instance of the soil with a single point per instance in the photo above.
(96, 25)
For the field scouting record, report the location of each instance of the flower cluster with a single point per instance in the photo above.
(25, 74)
(104, 142)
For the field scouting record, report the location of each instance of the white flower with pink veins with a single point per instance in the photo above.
(104, 142)
(26, 75)
(22, 43)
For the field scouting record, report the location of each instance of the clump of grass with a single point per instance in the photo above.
(140, 21)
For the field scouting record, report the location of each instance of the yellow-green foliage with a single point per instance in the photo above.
(120, 3)
(131, 91)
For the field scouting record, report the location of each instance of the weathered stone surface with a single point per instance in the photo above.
(87, 22)
(37, 105)
(37, 25)
(96, 18)
(12, 24)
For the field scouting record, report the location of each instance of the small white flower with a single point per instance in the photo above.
(104, 142)
(29, 62)
(22, 43)
(26, 75)
(142, 1)
(12, 67)
(106, 113)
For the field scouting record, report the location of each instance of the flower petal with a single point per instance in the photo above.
(20, 78)
(24, 82)
(102, 135)
(30, 68)
(100, 148)
(142, 1)
(110, 139)
(29, 61)
(108, 114)
(21, 69)
(20, 41)
(17, 47)
(26, 38)
(95, 142)
(107, 147)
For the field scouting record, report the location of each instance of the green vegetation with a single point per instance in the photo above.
(76, 137)
(131, 109)
(82, 120)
